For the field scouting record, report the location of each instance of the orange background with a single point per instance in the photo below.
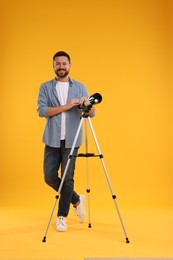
(121, 49)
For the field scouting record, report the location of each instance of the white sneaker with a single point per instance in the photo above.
(61, 225)
(80, 209)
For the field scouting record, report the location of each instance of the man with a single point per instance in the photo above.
(59, 101)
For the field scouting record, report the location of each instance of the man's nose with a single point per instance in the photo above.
(61, 66)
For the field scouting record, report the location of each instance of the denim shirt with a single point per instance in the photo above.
(48, 98)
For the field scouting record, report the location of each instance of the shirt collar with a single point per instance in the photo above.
(70, 80)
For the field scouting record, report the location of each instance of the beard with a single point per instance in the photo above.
(62, 73)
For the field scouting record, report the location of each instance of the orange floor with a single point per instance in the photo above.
(150, 231)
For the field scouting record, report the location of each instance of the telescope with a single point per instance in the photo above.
(92, 100)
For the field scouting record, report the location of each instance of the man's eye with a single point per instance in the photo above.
(59, 64)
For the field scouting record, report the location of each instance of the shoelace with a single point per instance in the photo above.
(61, 221)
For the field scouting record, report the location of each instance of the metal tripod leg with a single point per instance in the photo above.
(87, 175)
(107, 177)
(63, 177)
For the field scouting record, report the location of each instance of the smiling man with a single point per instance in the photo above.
(58, 101)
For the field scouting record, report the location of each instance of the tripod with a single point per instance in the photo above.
(85, 117)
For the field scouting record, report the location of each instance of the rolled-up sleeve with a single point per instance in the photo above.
(42, 103)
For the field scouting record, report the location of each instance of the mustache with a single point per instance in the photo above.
(61, 70)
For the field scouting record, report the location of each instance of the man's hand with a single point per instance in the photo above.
(75, 102)
(72, 103)
(82, 100)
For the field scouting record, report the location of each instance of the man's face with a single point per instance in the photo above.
(61, 66)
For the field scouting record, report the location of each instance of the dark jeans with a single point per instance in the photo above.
(54, 158)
